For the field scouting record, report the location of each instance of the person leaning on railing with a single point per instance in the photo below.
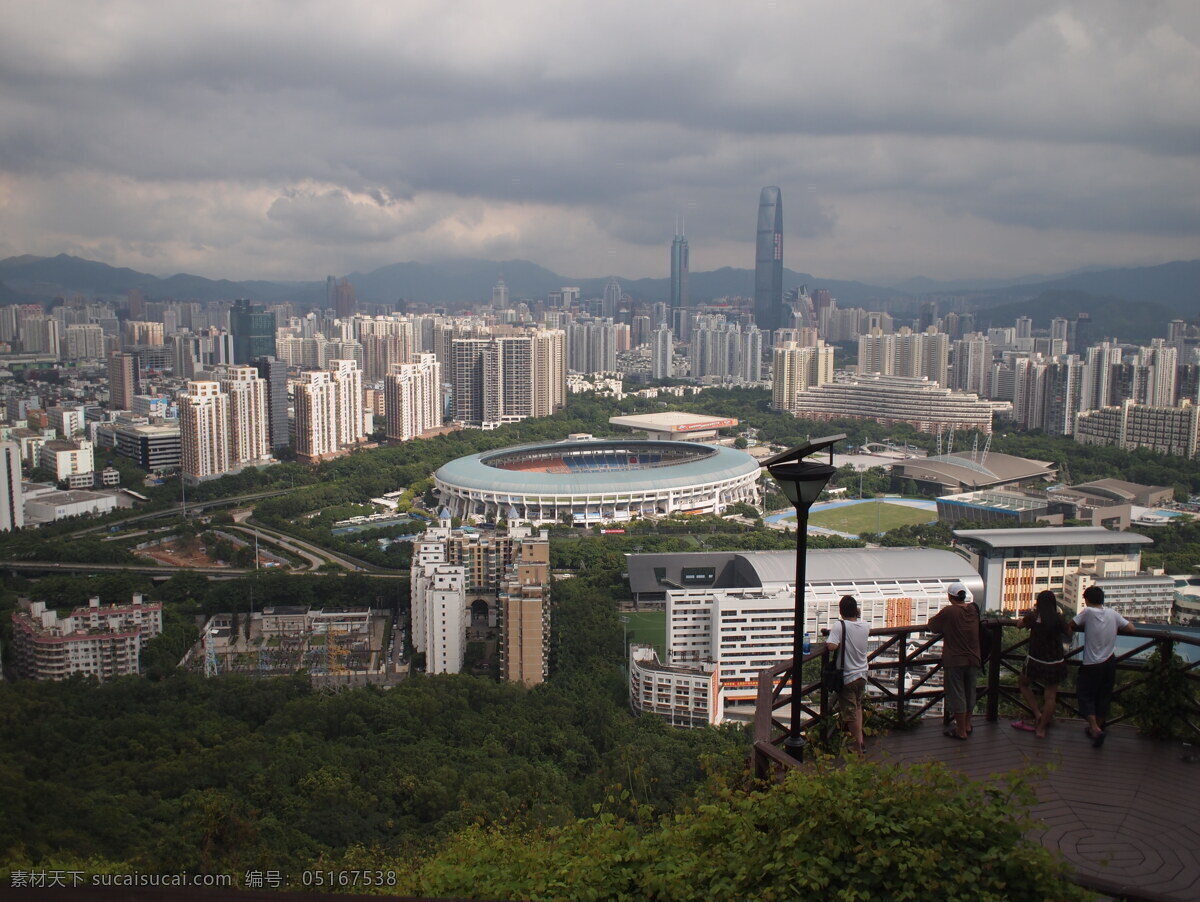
(856, 635)
(1045, 662)
(958, 623)
(1098, 671)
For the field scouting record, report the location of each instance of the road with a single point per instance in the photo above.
(194, 507)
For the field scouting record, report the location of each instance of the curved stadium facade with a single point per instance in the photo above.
(597, 481)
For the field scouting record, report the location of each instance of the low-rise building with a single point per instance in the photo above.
(1017, 564)
(104, 641)
(1144, 597)
(66, 458)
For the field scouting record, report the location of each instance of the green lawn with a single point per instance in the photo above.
(647, 628)
(877, 516)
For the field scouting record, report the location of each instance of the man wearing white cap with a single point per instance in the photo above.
(958, 623)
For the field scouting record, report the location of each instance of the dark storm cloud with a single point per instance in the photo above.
(369, 132)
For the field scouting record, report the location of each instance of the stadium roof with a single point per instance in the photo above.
(709, 464)
(752, 569)
(1051, 536)
(672, 421)
(959, 469)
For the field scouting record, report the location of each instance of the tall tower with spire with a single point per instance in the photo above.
(768, 261)
(679, 271)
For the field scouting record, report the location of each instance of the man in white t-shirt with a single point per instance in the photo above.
(853, 633)
(1098, 672)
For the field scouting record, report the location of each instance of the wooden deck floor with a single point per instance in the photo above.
(1126, 816)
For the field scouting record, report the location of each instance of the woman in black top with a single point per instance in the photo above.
(1044, 663)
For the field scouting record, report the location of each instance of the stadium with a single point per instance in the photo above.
(597, 481)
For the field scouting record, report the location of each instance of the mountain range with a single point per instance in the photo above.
(1173, 286)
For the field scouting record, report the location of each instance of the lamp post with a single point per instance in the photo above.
(802, 482)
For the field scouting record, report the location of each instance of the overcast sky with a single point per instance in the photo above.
(290, 140)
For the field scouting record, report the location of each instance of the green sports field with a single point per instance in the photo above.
(871, 516)
(647, 628)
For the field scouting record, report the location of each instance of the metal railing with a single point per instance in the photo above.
(904, 684)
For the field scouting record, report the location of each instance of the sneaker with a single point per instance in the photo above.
(1098, 739)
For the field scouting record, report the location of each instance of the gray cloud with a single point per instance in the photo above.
(267, 139)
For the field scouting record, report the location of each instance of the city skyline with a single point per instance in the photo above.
(992, 140)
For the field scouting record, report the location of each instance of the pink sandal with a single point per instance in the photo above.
(1021, 725)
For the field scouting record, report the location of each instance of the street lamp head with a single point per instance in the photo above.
(800, 480)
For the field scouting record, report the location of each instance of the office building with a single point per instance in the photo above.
(500, 295)
(273, 372)
(413, 398)
(253, 329)
(203, 431)
(340, 297)
(1016, 564)
(12, 498)
(768, 262)
(679, 275)
(103, 641)
(153, 448)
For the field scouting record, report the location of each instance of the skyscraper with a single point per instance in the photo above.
(253, 330)
(274, 373)
(662, 354)
(768, 262)
(679, 275)
(248, 420)
(500, 295)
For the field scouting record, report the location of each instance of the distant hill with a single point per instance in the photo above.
(1110, 316)
(1173, 285)
(451, 281)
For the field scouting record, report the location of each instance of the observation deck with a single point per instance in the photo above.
(1123, 816)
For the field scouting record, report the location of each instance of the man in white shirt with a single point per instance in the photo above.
(853, 633)
(1098, 672)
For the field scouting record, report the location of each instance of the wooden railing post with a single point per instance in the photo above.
(996, 644)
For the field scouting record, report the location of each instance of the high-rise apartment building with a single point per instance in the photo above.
(495, 584)
(915, 355)
(203, 431)
(548, 360)
(122, 380)
(972, 364)
(768, 262)
(253, 330)
(12, 496)
(506, 378)
(662, 353)
(413, 398)
(249, 438)
(329, 411)
(83, 342)
(796, 369)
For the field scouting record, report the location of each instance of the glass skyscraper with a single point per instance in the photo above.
(768, 262)
(253, 331)
(679, 272)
